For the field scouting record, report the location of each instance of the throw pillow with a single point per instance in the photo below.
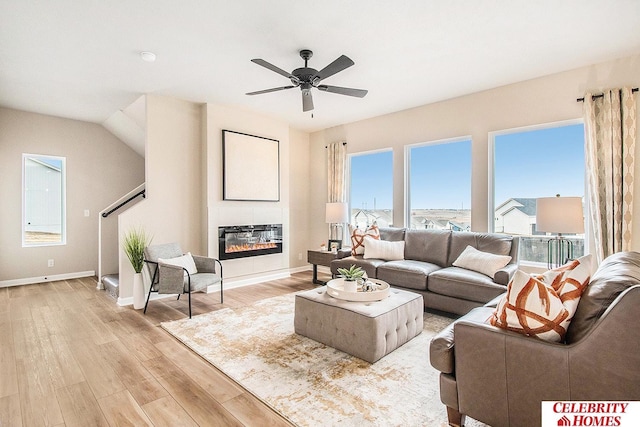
(185, 261)
(482, 262)
(357, 238)
(543, 305)
(383, 249)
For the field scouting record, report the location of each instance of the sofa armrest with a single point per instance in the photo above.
(514, 372)
(504, 275)
(343, 253)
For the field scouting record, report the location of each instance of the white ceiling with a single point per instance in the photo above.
(80, 59)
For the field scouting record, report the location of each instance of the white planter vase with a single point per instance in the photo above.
(350, 286)
(138, 291)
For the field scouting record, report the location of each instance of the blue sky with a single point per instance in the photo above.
(537, 163)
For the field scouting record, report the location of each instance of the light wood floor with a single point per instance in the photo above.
(69, 356)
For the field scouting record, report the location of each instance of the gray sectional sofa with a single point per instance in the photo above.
(427, 267)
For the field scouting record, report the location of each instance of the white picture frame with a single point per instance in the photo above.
(251, 167)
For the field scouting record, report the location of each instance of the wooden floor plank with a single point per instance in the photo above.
(79, 406)
(121, 409)
(166, 412)
(8, 375)
(10, 411)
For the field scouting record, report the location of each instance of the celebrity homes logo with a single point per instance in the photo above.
(590, 414)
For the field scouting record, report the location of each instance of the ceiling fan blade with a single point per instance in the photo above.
(307, 100)
(258, 92)
(272, 67)
(336, 66)
(360, 93)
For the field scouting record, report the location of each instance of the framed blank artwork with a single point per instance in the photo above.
(250, 167)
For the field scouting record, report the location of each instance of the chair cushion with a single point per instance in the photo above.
(200, 281)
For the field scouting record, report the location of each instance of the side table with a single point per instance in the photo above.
(317, 258)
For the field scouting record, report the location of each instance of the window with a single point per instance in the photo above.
(540, 161)
(439, 185)
(371, 188)
(43, 200)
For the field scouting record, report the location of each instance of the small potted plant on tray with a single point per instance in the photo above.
(351, 276)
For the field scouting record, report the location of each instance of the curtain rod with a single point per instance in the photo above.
(326, 146)
(635, 89)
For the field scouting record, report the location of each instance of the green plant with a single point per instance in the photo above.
(134, 243)
(351, 274)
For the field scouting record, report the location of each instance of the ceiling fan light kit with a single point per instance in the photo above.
(307, 78)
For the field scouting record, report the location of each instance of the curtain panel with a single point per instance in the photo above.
(336, 173)
(610, 134)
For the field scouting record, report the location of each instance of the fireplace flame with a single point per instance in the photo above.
(250, 247)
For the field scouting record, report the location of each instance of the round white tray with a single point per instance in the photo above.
(335, 288)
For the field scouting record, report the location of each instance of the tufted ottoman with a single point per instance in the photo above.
(368, 330)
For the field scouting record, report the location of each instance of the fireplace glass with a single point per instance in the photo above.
(242, 241)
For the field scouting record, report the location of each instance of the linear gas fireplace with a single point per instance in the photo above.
(243, 241)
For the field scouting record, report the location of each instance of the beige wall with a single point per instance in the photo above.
(172, 209)
(542, 100)
(100, 168)
(227, 212)
(299, 194)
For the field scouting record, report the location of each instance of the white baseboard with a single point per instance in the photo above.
(42, 279)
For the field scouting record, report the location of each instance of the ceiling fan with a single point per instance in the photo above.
(307, 78)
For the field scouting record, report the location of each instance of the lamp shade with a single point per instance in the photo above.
(337, 213)
(559, 215)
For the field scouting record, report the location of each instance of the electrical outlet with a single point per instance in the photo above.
(50, 263)
(300, 256)
(86, 212)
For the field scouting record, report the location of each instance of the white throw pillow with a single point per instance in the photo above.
(185, 261)
(482, 262)
(383, 249)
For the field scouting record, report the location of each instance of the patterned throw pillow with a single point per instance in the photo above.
(357, 237)
(543, 305)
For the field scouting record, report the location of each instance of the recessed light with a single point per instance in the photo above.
(148, 56)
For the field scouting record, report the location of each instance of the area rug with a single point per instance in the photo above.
(312, 384)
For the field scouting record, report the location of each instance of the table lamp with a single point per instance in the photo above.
(337, 213)
(559, 215)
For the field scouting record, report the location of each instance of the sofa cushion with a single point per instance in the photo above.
(465, 284)
(614, 275)
(391, 234)
(543, 306)
(482, 262)
(441, 352)
(499, 244)
(408, 274)
(368, 265)
(429, 246)
(357, 237)
(382, 249)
